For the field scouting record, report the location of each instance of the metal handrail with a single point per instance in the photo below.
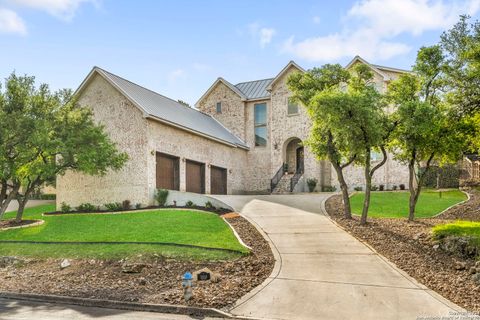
(277, 177)
(296, 177)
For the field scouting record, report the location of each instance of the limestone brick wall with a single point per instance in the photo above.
(126, 126)
(233, 111)
(187, 146)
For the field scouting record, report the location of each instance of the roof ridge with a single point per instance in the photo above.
(254, 81)
(136, 84)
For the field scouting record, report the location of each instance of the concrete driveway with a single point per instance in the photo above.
(13, 206)
(322, 272)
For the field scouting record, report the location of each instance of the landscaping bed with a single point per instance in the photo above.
(12, 223)
(130, 209)
(413, 249)
(146, 278)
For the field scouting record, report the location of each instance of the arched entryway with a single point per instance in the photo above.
(294, 155)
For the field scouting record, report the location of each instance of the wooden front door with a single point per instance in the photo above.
(300, 158)
(218, 180)
(195, 176)
(168, 172)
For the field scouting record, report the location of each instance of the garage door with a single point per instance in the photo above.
(167, 172)
(218, 180)
(195, 177)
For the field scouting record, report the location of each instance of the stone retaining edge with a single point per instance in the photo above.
(111, 304)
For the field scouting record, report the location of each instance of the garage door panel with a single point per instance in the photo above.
(167, 172)
(195, 177)
(218, 180)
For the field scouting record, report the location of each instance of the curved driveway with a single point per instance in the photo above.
(322, 272)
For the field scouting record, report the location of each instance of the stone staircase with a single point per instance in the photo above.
(283, 185)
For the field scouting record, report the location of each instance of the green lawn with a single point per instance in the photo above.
(174, 226)
(459, 228)
(386, 204)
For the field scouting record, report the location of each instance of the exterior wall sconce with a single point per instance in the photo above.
(230, 170)
(152, 152)
(183, 159)
(209, 165)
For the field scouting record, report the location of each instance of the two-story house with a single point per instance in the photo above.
(242, 138)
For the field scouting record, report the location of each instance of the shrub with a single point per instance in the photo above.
(65, 208)
(373, 188)
(329, 189)
(394, 187)
(138, 205)
(161, 197)
(382, 187)
(126, 205)
(402, 186)
(209, 205)
(311, 183)
(189, 204)
(113, 206)
(358, 188)
(86, 207)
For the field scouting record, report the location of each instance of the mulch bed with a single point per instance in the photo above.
(411, 248)
(219, 211)
(11, 223)
(157, 280)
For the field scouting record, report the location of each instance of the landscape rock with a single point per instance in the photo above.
(476, 278)
(65, 264)
(472, 270)
(10, 261)
(460, 265)
(132, 267)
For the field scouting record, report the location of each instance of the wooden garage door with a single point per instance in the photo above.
(167, 172)
(218, 180)
(195, 177)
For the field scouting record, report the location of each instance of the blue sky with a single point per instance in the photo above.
(179, 48)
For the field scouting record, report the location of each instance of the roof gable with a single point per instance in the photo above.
(166, 110)
(373, 67)
(283, 71)
(227, 84)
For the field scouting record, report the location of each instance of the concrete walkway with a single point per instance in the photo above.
(322, 272)
(13, 206)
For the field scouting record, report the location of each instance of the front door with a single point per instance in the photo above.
(300, 166)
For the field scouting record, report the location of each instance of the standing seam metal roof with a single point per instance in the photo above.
(172, 111)
(255, 89)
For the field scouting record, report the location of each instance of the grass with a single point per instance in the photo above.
(191, 227)
(385, 204)
(459, 229)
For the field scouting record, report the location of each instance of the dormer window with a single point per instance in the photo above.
(219, 107)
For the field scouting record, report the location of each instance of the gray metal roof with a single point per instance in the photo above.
(255, 89)
(163, 108)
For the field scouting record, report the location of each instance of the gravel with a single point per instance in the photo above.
(411, 248)
(155, 279)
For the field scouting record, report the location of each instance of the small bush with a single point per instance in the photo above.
(86, 207)
(161, 197)
(402, 186)
(394, 187)
(113, 206)
(126, 205)
(329, 189)
(311, 183)
(373, 188)
(358, 188)
(381, 187)
(209, 205)
(65, 208)
(189, 204)
(138, 205)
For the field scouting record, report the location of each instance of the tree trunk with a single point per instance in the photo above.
(7, 200)
(347, 211)
(368, 186)
(21, 207)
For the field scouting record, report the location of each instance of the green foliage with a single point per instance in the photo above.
(329, 189)
(161, 197)
(358, 188)
(126, 205)
(189, 204)
(459, 228)
(312, 183)
(43, 134)
(86, 207)
(138, 205)
(113, 206)
(65, 208)
(43, 196)
(374, 187)
(442, 177)
(209, 205)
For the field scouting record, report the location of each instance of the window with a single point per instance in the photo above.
(219, 107)
(292, 106)
(260, 124)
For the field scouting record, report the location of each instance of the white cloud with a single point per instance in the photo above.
(10, 22)
(370, 27)
(262, 34)
(63, 9)
(176, 74)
